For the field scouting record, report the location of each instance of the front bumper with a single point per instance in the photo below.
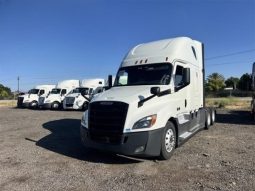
(26, 104)
(45, 106)
(147, 143)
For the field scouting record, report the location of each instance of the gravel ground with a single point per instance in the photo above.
(41, 150)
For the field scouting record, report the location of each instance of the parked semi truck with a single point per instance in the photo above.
(253, 89)
(31, 98)
(80, 96)
(156, 103)
(54, 100)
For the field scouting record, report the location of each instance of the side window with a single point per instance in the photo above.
(178, 81)
(63, 92)
(41, 92)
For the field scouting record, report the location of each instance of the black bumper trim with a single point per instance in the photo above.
(150, 140)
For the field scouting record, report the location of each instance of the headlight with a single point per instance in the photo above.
(84, 119)
(145, 122)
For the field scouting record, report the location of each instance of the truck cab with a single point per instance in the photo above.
(54, 100)
(80, 97)
(30, 100)
(156, 102)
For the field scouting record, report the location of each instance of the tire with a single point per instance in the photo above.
(168, 141)
(85, 106)
(207, 119)
(33, 105)
(55, 105)
(213, 116)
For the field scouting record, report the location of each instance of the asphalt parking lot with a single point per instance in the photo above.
(41, 150)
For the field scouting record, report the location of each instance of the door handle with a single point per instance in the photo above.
(185, 103)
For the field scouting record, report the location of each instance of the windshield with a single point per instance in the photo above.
(150, 74)
(55, 91)
(33, 91)
(83, 91)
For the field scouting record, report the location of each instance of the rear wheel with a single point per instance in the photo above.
(168, 141)
(55, 105)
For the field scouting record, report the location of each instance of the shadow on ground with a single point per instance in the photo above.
(65, 139)
(234, 117)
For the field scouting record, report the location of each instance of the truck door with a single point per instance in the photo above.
(63, 94)
(182, 96)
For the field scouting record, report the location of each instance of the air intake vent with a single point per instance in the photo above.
(107, 120)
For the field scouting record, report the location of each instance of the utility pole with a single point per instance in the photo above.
(18, 84)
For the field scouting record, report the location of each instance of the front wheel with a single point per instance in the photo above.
(85, 106)
(168, 141)
(55, 105)
(33, 104)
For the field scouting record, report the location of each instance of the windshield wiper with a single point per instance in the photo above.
(155, 91)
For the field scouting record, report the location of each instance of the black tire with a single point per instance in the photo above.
(207, 119)
(33, 105)
(55, 105)
(85, 106)
(168, 141)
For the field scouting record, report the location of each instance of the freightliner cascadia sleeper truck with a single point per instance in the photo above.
(31, 98)
(156, 103)
(55, 99)
(80, 96)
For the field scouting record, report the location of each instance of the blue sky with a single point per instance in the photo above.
(45, 41)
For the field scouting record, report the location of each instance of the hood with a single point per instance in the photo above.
(127, 94)
(73, 94)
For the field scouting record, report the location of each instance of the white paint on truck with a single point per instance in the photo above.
(156, 103)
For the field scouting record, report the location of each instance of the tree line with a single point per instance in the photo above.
(5, 92)
(216, 82)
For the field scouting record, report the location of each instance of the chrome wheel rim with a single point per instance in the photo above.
(208, 119)
(169, 140)
(213, 116)
(55, 105)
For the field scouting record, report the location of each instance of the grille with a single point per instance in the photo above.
(41, 100)
(106, 121)
(20, 101)
(70, 100)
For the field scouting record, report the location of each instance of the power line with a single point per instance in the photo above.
(230, 54)
(229, 63)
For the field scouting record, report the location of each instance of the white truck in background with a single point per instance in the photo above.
(157, 101)
(79, 98)
(253, 89)
(55, 99)
(30, 99)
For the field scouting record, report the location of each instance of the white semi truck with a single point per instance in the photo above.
(253, 89)
(157, 101)
(80, 97)
(55, 99)
(31, 98)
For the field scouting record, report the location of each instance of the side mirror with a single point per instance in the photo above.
(109, 81)
(155, 90)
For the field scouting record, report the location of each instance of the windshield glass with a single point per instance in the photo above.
(55, 91)
(83, 91)
(33, 91)
(150, 74)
